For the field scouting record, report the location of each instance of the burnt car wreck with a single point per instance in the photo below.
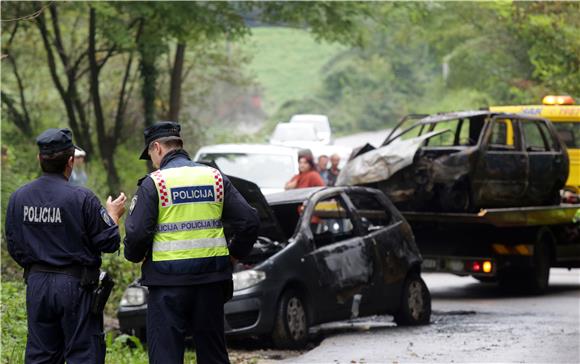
(464, 161)
(323, 254)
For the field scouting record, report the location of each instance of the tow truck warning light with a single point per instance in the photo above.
(558, 100)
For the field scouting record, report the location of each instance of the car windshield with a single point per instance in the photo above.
(265, 170)
(320, 124)
(288, 132)
(457, 132)
(569, 132)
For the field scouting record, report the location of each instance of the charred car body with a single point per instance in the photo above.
(323, 254)
(465, 161)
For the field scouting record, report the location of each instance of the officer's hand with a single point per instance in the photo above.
(116, 207)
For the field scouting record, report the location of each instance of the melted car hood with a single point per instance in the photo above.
(381, 163)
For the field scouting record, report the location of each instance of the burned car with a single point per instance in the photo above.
(323, 254)
(464, 161)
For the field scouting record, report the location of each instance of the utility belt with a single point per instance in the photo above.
(98, 282)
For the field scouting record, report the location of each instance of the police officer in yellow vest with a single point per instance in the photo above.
(175, 227)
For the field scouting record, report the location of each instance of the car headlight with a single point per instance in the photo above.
(248, 278)
(134, 296)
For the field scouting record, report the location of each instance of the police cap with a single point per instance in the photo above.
(55, 140)
(158, 130)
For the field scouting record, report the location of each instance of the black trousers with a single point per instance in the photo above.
(60, 325)
(172, 312)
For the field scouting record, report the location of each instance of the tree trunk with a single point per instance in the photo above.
(107, 146)
(71, 70)
(68, 95)
(148, 70)
(176, 81)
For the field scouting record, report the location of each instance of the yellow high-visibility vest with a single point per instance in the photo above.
(190, 210)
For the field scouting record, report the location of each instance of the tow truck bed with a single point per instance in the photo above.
(518, 245)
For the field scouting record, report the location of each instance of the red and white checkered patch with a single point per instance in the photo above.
(163, 194)
(218, 185)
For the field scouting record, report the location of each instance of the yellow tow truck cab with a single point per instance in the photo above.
(565, 115)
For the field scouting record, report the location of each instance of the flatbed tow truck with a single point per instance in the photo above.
(513, 246)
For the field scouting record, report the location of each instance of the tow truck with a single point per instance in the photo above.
(513, 246)
(513, 240)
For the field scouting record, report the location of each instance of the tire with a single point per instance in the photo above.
(539, 274)
(291, 325)
(535, 279)
(455, 198)
(415, 302)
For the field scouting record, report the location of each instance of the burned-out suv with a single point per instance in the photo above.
(323, 254)
(464, 161)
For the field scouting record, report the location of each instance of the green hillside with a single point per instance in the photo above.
(287, 63)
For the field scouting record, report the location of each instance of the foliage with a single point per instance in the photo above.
(549, 32)
(120, 348)
(424, 57)
(14, 328)
(287, 63)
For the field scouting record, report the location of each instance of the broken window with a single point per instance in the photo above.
(569, 132)
(331, 222)
(373, 213)
(548, 136)
(502, 135)
(445, 139)
(469, 130)
(534, 140)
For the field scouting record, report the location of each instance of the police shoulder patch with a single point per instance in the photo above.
(133, 204)
(105, 216)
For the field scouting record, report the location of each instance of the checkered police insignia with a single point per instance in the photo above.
(105, 216)
(133, 204)
(218, 185)
(163, 193)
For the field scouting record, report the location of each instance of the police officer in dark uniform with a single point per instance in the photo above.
(57, 232)
(175, 228)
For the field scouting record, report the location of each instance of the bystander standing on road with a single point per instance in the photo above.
(57, 232)
(332, 173)
(307, 176)
(175, 227)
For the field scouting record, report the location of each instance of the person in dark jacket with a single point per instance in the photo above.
(57, 232)
(175, 228)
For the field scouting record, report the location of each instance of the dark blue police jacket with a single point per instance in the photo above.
(50, 221)
(141, 222)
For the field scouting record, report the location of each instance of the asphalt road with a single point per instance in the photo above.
(471, 322)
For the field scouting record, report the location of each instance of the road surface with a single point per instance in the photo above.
(471, 322)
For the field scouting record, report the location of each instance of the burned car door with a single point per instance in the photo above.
(545, 160)
(340, 255)
(387, 235)
(501, 174)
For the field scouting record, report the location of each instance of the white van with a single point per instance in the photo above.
(320, 122)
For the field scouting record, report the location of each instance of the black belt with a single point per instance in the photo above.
(71, 270)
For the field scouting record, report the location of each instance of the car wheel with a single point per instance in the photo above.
(415, 302)
(455, 198)
(291, 325)
(534, 279)
(539, 275)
